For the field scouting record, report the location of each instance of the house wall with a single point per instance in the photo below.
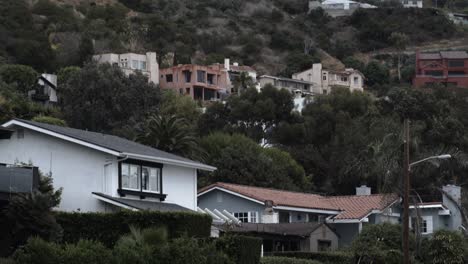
(180, 185)
(322, 233)
(220, 200)
(347, 233)
(80, 171)
(438, 221)
(152, 66)
(76, 169)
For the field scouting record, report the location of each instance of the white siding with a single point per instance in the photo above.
(180, 185)
(78, 170)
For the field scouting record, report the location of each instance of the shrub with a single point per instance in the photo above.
(325, 257)
(24, 77)
(86, 251)
(109, 227)
(38, 251)
(50, 120)
(241, 249)
(284, 260)
(446, 247)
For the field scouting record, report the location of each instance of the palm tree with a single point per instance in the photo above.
(172, 134)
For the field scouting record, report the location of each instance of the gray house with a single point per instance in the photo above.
(346, 215)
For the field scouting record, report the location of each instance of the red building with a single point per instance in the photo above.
(447, 67)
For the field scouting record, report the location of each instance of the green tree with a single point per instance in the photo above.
(184, 107)
(379, 244)
(50, 120)
(172, 134)
(399, 40)
(240, 160)
(446, 247)
(21, 76)
(376, 73)
(101, 98)
(31, 214)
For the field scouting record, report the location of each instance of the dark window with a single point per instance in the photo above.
(324, 77)
(456, 63)
(313, 218)
(141, 177)
(210, 78)
(187, 76)
(181, 91)
(456, 73)
(284, 217)
(324, 245)
(201, 76)
(435, 73)
(187, 90)
(168, 77)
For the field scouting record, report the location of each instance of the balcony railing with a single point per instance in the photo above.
(18, 179)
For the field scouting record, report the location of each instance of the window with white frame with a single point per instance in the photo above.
(140, 177)
(135, 64)
(142, 65)
(425, 224)
(246, 217)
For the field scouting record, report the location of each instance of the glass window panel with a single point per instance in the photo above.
(151, 179)
(134, 64)
(143, 65)
(134, 179)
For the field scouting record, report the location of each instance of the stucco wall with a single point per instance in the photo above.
(78, 170)
(220, 200)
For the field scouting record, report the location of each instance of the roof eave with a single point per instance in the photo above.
(187, 164)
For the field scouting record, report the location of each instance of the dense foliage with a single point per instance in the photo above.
(284, 260)
(241, 249)
(321, 257)
(108, 227)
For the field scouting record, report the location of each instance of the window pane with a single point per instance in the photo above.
(143, 65)
(130, 176)
(134, 64)
(151, 178)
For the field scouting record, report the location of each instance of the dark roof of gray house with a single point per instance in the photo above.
(286, 229)
(145, 205)
(444, 55)
(109, 142)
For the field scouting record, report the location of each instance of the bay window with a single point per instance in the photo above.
(140, 178)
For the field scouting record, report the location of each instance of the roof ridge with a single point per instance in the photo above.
(266, 188)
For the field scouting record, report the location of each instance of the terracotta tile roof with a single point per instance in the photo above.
(359, 206)
(350, 207)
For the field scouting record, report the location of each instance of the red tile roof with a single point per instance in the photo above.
(350, 207)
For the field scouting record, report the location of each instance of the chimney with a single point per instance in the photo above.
(227, 64)
(453, 191)
(363, 190)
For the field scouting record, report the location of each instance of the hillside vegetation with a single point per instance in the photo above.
(275, 36)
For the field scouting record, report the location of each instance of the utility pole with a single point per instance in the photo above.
(406, 188)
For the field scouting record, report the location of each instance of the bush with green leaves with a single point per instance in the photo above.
(379, 243)
(50, 120)
(285, 260)
(333, 257)
(20, 76)
(109, 227)
(241, 249)
(446, 247)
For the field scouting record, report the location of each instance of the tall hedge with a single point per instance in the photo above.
(107, 228)
(241, 249)
(324, 257)
(284, 260)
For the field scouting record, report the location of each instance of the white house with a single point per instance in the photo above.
(337, 8)
(412, 3)
(131, 62)
(323, 79)
(102, 173)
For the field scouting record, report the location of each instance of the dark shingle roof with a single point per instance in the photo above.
(146, 205)
(284, 229)
(109, 142)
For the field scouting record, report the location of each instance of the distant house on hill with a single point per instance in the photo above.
(412, 3)
(262, 208)
(99, 172)
(323, 80)
(204, 83)
(45, 89)
(337, 8)
(132, 62)
(449, 68)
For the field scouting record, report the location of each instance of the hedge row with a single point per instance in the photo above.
(284, 260)
(241, 249)
(333, 257)
(107, 228)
